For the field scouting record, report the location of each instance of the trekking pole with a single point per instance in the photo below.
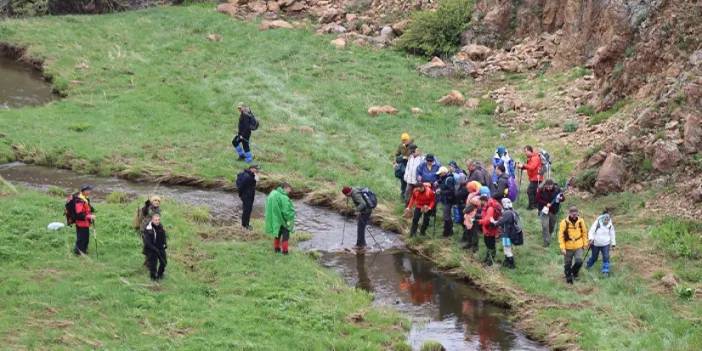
(434, 230)
(343, 230)
(368, 229)
(97, 253)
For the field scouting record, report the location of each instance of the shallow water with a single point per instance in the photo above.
(441, 308)
(21, 85)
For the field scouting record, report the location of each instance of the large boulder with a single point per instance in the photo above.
(692, 134)
(610, 177)
(666, 156)
(454, 98)
(227, 8)
(257, 6)
(437, 68)
(276, 24)
(476, 52)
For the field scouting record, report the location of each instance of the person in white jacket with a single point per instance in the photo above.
(413, 161)
(602, 239)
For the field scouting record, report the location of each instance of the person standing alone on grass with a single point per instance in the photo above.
(423, 201)
(246, 186)
(413, 161)
(548, 199)
(363, 202)
(533, 167)
(401, 157)
(572, 238)
(247, 124)
(602, 239)
(491, 212)
(280, 217)
(83, 217)
(155, 245)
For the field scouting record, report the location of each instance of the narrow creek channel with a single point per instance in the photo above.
(441, 308)
(22, 85)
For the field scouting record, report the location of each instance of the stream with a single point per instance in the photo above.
(440, 307)
(22, 85)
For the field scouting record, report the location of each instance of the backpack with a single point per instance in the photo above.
(566, 233)
(370, 198)
(239, 180)
(498, 211)
(517, 237)
(253, 122)
(70, 209)
(512, 189)
(460, 179)
(545, 169)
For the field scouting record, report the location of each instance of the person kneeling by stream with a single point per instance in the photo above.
(280, 217)
(365, 201)
(155, 247)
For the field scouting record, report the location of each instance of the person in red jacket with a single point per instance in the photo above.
(533, 167)
(83, 219)
(491, 212)
(423, 201)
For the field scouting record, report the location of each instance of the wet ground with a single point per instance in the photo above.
(21, 85)
(440, 307)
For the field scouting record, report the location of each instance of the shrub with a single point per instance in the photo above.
(679, 238)
(56, 191)
(486, 107)
(432, 345)
(437, 32)
(586, 110)
(570, 126)
(684, 292)
(586, 179)
(200, 214)
(117, 197)
(579, 72)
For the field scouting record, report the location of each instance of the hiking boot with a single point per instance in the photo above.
(569, 280)
(360, 249)
(248, 227)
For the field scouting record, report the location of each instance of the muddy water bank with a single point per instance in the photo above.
(440, 307)
(21, 81)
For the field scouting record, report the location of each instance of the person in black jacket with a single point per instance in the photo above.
(243, 135)
(548, 199)
(364, 214)
(501, 186)
(246, 186)
(477, 173)
(155, 247)
(447, 197)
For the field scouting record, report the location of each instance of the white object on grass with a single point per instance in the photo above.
(55, 226)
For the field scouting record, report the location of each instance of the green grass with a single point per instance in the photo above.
(216, 295)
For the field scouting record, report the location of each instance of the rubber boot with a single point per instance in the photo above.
(249, 157)
(285, 247)
(276, 245)
(568, 274)
(605, 268)
(510, 262)
(240, 151)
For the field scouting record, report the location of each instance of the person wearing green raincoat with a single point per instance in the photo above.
(280, 217)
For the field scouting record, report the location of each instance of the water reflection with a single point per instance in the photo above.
(21, 85)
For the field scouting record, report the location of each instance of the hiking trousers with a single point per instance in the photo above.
(82, 240)
(247, 208)
(491, 250)
(425, 221)
(156, 263)
(448, 220)
(605, 257)
(403, 190)
(572, 261)
(471, 237)
(531, 194)
(242, 139)
(280, 243)
(363, 220)
(548, 224)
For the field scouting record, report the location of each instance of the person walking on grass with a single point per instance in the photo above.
(364, 201)
(151, 207)
(533, 166)
(491, 212)
(246, 186)
(471, 231)
(602, 239)
(511, 228)
(155, 245)
(242, 139)
(280, 217)
(423, 201)
(477, 173)
(83, 217)
(413, 161)
(548, 199)
(400, 165)
(572, 238)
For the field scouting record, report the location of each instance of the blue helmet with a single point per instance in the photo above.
(501, 150)
(484, 191)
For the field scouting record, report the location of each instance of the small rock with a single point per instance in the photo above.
(257, 7)
(692, 132)
(387, 34)
(669, 280)
(273, 6)
(214, 37)
(227, 8)
(339, 43)
(350, 17)
(697, 195)
(306, 130)
(400, 27)
(296, 7)
(329, 16)
(436, 68)
(386, 109)
(453, 98)
(472, 103)
(276, 24)
(696, 58)
(476, 52)
(416, 110)
(666, 156)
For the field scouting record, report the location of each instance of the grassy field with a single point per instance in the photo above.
(216, 294)
(147, 92)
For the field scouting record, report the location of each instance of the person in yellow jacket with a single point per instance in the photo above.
(572, 237)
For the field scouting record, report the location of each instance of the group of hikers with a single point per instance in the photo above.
(479, 202)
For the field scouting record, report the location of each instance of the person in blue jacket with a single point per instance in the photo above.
(426, 172)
